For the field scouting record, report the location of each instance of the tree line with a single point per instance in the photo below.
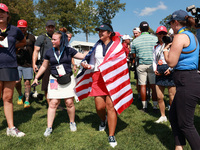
(82, 16)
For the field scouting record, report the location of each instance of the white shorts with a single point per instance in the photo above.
(57, 91)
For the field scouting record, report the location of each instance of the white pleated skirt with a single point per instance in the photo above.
(57, 91)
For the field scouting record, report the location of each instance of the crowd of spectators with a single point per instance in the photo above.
(156, 64)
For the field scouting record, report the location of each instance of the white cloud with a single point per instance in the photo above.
(147, 11)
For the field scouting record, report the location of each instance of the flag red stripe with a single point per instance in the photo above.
(116, 55)
(121, 86)
(114, 78)
(123, 107)
(83, 96)
(127, 93)
(85, 76)
(113, 67)
(82, 87)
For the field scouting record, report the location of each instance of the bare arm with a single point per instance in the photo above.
(74, 65)
(35, 57)
(134, 55)
(42, 69)
(80, 55)
(20, 44)
(179, 42)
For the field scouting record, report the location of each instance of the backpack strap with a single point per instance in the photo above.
(42, 49)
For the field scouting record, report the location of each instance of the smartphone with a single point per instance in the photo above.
(34, 85)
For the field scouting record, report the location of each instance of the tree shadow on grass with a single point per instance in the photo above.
(94, 119)
(20, 117)
(151, 111)
(162, 131)
(40, 99)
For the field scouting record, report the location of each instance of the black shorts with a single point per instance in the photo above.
(9, 74)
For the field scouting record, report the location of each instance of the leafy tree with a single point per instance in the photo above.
(107, 9)
(22, 9)
(61, 11)
(151, 31)
(86, 16)
(164, 22)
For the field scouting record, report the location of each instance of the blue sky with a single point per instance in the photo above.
(152, 11)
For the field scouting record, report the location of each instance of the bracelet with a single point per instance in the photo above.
(165, 50)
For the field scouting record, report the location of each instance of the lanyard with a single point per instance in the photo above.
(3, 30)
(182, 30)
(57, 58)
(48, 36)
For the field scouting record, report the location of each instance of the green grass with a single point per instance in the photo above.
(135, 130)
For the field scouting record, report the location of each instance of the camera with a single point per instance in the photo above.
(196, 13)
(167, 39)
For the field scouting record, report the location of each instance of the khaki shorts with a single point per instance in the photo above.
(145, 71)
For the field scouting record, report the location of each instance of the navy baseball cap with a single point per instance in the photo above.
(178, 15)
(50, 23)
(105, 27)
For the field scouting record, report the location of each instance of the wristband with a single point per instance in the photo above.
(165, 50)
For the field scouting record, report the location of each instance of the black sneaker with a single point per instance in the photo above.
(102, 125)
(112, 141)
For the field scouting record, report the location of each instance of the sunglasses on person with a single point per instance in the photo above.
(162, 33)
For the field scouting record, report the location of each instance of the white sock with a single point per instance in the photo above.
(144, 104)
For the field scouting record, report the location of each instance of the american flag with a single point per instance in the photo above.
(53, 84)
(114, 71)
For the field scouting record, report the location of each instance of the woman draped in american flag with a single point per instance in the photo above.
(105, 76)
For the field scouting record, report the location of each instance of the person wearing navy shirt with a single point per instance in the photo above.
(59, 58)
(8, 65)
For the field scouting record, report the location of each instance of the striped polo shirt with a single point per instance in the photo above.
(143, 46)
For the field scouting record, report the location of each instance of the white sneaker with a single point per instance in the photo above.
(72, 126)
(48, 132)
(35, 94)
(14, 132)
(102, 126)
(112, 141)
(161, 119)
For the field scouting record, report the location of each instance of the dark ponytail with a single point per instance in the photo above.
(189, 21)
(112, 32)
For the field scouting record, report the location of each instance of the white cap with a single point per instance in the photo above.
(126, 37)
(136, 29)
(171, 31)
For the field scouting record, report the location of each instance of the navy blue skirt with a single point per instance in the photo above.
(9, 74)
(164, 80)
